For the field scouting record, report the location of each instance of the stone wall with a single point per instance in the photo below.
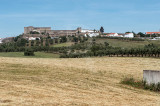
(33, 35)
(38, 29)
(151, 76)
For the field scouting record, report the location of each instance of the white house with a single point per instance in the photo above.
(93, 34)
(113, 35)
(0, 40)
(54, 37)
(32, 38)
(129, 35)
(90, 33)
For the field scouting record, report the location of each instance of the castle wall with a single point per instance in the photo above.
(38, 29)
(53, 33)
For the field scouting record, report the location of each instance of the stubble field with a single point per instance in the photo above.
(87, 81)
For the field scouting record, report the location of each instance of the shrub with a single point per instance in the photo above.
(132, 82)
(64, 56)
(140, 84)
(29, 52)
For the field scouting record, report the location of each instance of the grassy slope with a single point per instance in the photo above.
(21, 54)
(87, 81)
(126, 44)
(63, 44)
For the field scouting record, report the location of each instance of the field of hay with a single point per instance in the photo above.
(87, 81)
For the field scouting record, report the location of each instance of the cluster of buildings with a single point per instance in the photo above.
(29, 33)
(126, 35)
(42, 31)
(33, 33)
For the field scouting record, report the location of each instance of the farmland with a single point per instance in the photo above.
(21, 54)
(85, 81)
(63, 44)
(127, 44)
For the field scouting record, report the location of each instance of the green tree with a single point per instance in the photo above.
(21, 42)
(102, 29)
(29, 52)
(63, 39)
(106, 44)
(75, 39)
(95, 48)
(141, 34)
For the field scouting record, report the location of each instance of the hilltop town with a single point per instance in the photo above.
(31, 33)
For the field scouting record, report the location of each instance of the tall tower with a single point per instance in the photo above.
(79, 29)
(28, 29)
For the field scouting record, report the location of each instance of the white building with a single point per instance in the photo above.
(90, 33)
(113, 35)
(87, 31)
(0, 40)
(32, 38)
(126, 35)
(129, 35)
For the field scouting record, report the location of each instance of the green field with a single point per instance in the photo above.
(63, 44)
(126, 44)
(21, 54)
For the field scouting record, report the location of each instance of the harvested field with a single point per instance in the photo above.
(87, 81)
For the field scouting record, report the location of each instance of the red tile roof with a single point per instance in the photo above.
(152, 32)
(128, 33)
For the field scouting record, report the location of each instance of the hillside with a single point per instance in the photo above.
(87, 81)
(126, 44)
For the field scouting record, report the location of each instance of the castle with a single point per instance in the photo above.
(42, 31)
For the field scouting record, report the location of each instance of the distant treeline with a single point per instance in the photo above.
(43, 44)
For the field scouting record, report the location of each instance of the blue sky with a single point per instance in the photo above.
(113, 15)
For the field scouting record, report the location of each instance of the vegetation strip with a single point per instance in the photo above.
(140, 84)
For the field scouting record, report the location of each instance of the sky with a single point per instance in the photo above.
(113, 15)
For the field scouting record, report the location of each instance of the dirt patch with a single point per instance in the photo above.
(5, 101)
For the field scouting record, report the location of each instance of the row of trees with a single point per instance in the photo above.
(62, 39)
(43, 44)
(19, 44)
(106, 50)
(147, 35)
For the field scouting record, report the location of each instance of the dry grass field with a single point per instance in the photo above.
(82, 82)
